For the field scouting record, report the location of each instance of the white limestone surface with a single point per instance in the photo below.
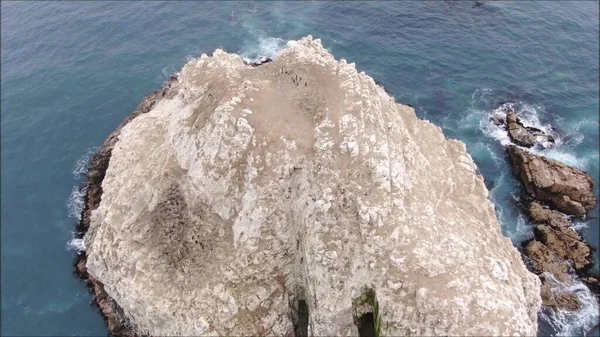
(254, 187)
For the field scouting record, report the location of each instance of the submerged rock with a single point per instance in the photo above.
(567, 188)
(297, 197)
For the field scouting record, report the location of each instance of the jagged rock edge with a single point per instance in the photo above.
(118, 324)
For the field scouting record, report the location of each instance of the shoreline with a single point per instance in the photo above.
(118, 324)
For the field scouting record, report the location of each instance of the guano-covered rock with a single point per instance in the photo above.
(297, 197)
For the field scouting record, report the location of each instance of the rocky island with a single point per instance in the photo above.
(294, 197)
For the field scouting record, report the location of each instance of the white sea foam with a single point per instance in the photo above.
(579, 225)
(523, 231)
(569, 323)
(267, 47)
(75, 203)
(530, 116)
(82, 163)
(76, 244)
(563, 156)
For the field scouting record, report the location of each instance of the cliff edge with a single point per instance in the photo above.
(295, 197)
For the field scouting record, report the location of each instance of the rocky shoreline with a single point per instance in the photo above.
(118, 324)
(554, 194)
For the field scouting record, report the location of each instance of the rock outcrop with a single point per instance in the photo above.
(297, 197)
(553, 229)
(518, 133)
(559, 299)
(522, 135)
(567, 188)
(557, 246)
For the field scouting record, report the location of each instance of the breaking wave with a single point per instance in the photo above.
(561, 149)
(569, 323)
(82, 164)
(266, 47)
(76, 244)
(76, 201)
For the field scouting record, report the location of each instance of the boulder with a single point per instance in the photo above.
(266, 200)
(567, 188)
(545, 260)
(555, 244)
(523, 135)
(567, 244)
(559, 299)
(517, 132)
(542, 215)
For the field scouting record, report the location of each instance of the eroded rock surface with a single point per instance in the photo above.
(559, 300)
(522, 135)
(569, 189)
(518, 133)
(542, 215)
(556, 244)
(252, 199)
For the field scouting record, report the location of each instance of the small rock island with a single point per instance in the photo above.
(295, 197)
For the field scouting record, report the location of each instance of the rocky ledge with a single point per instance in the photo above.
(556, 247)
(294, 197)
(567, 188)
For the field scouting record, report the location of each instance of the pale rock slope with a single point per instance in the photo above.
(248, 190)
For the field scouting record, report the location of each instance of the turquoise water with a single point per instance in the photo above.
(72, 71)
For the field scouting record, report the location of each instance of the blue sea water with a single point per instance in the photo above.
(72, 71)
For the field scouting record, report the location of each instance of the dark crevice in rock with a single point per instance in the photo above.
(118, 324)
(366, 314)
(301, 325)
(259, 62)
(366, 325)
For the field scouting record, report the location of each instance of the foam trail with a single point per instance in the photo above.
(569, 323)
(76, 244)
(75, 203)
(529, 116)
(82, 163)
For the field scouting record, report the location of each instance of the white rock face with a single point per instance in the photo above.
(254, 187)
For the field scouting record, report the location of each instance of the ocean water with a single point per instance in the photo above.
(72, 71)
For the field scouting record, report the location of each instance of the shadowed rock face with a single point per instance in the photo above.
(569, 189)
(298, 196)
